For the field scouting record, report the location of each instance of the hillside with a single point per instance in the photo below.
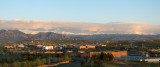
(115, 37)
(18, 35)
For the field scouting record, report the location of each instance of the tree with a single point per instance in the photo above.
(15, 64)
(1, 65)
(38, 62)
(33, 63)
(83, 63)
(66, 58)
(5, 65)
(24, 64)
(99, 62)
(12, 60)
(43, 61)
(103, 56)
(29, 65)
(110, 57)
(92, 62)
(19, 57)
(100, 59)
(8, 60)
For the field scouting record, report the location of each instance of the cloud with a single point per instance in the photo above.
(79, 28)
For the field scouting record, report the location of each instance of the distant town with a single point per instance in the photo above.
(79, 53)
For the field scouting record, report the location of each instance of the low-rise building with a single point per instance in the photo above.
(47, 47)
(81, 51)
(82, 47)
(69, 51)
(21, 46)
(39, 46)
(87, 47)
(140, 59)
(8, 47)
(114, 53)
(91, 46)
(59, 52)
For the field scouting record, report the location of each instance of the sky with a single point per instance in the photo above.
(92, 11)
(81, 16)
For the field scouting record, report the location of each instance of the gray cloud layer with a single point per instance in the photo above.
(80, 28)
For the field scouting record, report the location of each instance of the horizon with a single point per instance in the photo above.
(73, 28)
(35, 33)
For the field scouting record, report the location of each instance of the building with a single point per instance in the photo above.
(8, 47)
(90, 46)
(114, 53)
(39, 46)
(69, 51)
(87, 47)
(140, 59)
(21, 46)
(82, 47)
(139, 56)
(81, 51)
(47, 47)
(101, 45)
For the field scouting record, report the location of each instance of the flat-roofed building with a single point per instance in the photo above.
(87, 47)
(21, 46)
(47, 47)
(114, 53)
(140, 59)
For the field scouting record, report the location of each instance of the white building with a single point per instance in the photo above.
(47, 47)
(140, 59)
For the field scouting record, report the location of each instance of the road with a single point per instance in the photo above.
(77, 62)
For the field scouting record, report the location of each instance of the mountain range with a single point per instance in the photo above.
(18, 35)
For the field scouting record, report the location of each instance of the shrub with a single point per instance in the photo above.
(5, 65)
